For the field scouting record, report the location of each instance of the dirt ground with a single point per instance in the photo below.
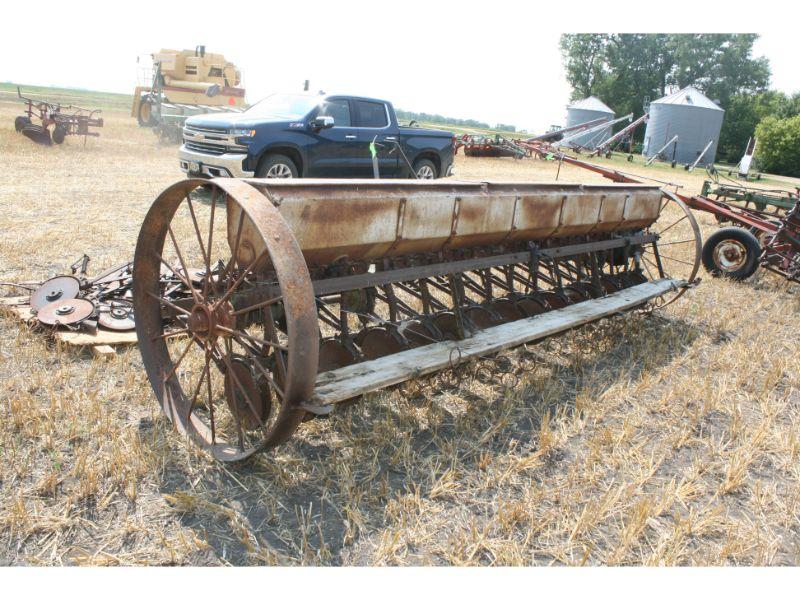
(663, 439)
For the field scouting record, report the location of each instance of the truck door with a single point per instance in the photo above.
(334, 152)
(373, 122)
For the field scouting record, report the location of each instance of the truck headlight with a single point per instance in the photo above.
(243, 132)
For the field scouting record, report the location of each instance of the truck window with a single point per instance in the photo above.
(339, 110)
(371, 114)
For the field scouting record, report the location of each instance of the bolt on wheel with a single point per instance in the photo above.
(231, 349)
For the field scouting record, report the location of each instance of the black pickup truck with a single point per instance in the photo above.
(300, 135)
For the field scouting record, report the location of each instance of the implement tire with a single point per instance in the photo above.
(731, 252)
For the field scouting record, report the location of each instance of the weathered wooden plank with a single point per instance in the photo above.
(102, 337)
(354, 380)
(103, 351)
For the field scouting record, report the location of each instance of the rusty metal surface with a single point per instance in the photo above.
(62, 287)
(354, 270)
(367, 219)
(65, 312)
(263, 230)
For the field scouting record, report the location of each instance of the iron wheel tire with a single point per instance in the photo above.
(276, 166)
(425, 169)
(731, 252)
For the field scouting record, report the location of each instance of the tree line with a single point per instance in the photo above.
(625, 69)
(407, 115)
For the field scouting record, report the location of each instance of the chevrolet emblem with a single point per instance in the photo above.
(199, 136)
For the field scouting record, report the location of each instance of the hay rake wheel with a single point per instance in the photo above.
(247, 328)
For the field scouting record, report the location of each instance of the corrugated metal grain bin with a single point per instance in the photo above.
(589, 109)
(691, 116)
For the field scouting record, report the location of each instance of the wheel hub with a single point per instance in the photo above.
(730, 255)
(206, 320)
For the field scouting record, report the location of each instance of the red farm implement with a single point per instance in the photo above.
(64, 119)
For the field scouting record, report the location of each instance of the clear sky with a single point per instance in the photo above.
(495, 60)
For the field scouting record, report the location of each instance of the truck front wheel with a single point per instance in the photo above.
(276, 166)
(425, 169)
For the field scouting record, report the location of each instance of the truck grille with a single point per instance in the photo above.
(206, 148)
(210, 141)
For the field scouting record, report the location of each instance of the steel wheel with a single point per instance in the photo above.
(226, 374)
(279, 171)
(678, 252)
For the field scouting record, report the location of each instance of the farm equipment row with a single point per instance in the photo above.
(485, 145)
(64, 119)
(312, 292)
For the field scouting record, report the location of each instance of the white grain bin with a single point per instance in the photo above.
(691, 116)
(589, 109)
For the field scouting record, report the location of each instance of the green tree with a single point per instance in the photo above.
(745, 111)
(584, 59)
(779, 145)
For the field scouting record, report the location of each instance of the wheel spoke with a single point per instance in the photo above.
(169, 304)
(660, 244)
(197, 389)
(248, 309)
(241, 277)
(238, 384)
(232, 262)
(663, 231)
(239, 431)
(256, 340)
(207, 281)
(675, 259)
(180, 360)
(170, 334)
(186, 281)
(648, 269)
(206, 256)
(273, 334)
(210, 401)
(267, 375)
(654, 265)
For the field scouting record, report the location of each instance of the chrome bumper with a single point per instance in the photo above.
(225, 165)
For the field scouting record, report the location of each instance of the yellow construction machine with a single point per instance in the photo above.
(183, 83)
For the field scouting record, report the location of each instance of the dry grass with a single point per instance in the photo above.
(663, 439)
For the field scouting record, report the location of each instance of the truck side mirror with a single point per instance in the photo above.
(323, 122)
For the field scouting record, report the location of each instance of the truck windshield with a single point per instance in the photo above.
(284, 106)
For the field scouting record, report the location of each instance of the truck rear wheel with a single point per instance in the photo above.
(276, 166)
(732, 252)
(425, 169)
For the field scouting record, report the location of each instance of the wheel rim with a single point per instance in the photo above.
(678, 252)
(729, 256)
(248, 323)
(425, 172)
(280, 170)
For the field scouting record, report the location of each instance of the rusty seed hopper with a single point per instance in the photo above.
(307, 293)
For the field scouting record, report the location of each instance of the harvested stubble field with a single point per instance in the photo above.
(669, 438)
